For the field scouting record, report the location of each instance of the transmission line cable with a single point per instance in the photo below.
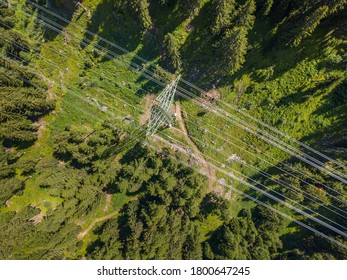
(193, 86)
(313, 218)
(255, 133)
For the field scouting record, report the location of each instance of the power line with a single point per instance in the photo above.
(269, 207)
(288, 205)
(195, 87)
(286, 185)
(256, 133)
(135, 70)
(315, 219)
(112, 96)
(313, 211)
(290, 217)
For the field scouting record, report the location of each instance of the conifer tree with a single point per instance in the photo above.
(172, 53)
(109, 245)
(207, 251)
(310, 24)
(225, 11)
(140, 8)
(192, 6)
(234, 45)
(266, 6)
(335, 5)
(245, 15)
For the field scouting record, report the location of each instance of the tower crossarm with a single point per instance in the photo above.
(160, 110)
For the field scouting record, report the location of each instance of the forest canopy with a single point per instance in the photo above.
(79, 181)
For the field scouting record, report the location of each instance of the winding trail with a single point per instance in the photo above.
(211, 174)
(82, 234)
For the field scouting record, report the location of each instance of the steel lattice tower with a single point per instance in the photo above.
(160, 110)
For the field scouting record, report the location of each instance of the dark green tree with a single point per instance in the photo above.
(310, 24)
(265, 6)
(140, 9)
(234, 49)
(224, 14)
(108, 245)
(245, 15)
(172, 53)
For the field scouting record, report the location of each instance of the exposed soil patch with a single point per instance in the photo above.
(210, 173)
(212, 95)
(40, 124)
(148, 102)
(108, 202)
(37, 219)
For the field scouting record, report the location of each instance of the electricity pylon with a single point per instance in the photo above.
(160, 110)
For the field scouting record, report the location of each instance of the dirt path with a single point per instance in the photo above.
(211, 174)
(148, 103)
(41, 125)
(82, 234)
(108, 202)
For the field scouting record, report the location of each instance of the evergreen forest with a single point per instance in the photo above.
(79, 177)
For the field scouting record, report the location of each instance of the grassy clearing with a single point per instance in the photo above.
(208, 226)
(34, 196)
(117, 202)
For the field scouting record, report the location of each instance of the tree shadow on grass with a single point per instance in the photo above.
(149, 50)
(304, 244)
(148, 86)
(64, 9)
(116, 29)
(168, 17)
(334, 107)
(201, 59)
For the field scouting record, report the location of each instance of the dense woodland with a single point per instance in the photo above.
(53, 187)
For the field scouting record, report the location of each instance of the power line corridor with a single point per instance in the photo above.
(162, 116)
